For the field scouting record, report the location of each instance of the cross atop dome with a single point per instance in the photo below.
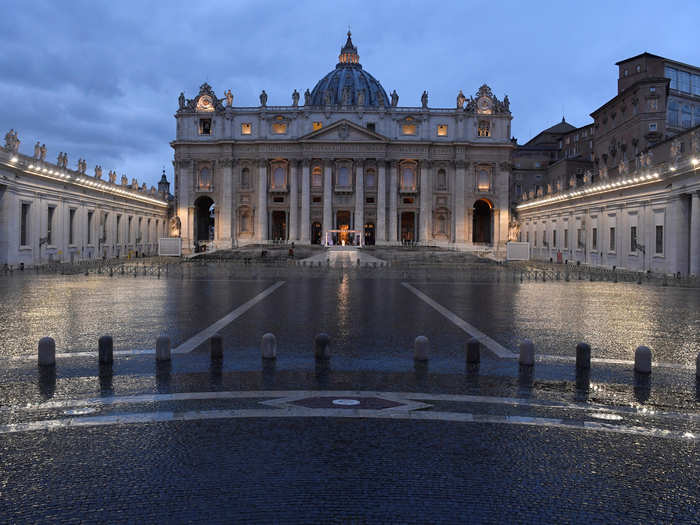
(348, 53)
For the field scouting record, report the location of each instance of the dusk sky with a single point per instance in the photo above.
(101, 80)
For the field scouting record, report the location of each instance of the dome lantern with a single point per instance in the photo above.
(348, 53)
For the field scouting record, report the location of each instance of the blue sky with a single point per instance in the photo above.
(100, 80)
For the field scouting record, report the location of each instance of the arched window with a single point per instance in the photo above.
(371, 178)
(441, 180)
(482, 180)
(204, 182)
(245, 178)
(484, 128)
(278, 178)
(408, 178)
(316, 177)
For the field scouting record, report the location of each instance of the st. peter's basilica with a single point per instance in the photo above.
(343, 164)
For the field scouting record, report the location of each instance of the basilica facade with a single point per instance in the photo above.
(342, 164)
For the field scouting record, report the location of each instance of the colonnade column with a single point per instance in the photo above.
(459, 202)
(360, 202)
(293, 208)
(327, 199)
(380, 229)
(393, 191)
(261, 215)
(695, 234)
(225, 228)
(425, 201)
(304, 232)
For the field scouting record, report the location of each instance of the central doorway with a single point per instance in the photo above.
(278, 225)
(342, 220)
(408, 226)
(316, 232)
(369, 234)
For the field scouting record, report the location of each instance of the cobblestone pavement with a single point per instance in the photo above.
(369, 436)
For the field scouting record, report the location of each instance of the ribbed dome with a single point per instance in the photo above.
(348, 84)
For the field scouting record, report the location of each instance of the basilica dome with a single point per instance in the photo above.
(348, 84)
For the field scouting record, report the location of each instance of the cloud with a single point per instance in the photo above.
(100, 80)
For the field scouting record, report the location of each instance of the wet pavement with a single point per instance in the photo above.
(368, 436)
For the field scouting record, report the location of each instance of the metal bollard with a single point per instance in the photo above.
(268, 346)
(473, 351)
(105, 349)
(163, 348)
(47, 351)
(216, 346)
(322, 346)
(642, 360)
(527, 353)
(583, 356)
(421, 348)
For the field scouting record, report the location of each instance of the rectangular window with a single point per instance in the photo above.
(317, 125)
(612, 238)
(442, 130)
(119, 222)
(633, 238)
(371, 126)
(370, 200)
(535, 234)
(566, 239)
(71, 226)
(128, 230)
(49, 225)
(554, 239)
(246, 128)
(527, 236)
(594, 239)
(659, 240)
(408, 129)
(652, 126)
(24, 225)
(89, 227)
(279, 128)
(653, 104)
(671, 74)
(205, 126)
(684, 81)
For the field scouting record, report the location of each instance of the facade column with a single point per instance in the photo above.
(380, 227)
(426, 197)
(393, 195)
(327, 199)
(459, 202)
(694, 234)
(305, 230)
(360, 202)
(226, 227)
(261, 215)
(293, 208)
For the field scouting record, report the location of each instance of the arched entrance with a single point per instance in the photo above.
(481, 223)
(278, 225)
(369, 234)
(316, 232)
(204, 219)
(408, 226)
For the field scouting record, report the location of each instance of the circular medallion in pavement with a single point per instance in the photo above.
(346, 402)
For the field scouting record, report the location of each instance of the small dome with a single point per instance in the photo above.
(348, 84)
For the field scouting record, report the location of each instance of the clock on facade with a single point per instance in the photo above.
(484, 104)
(205, 103)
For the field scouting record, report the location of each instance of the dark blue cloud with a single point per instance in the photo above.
(100, 80)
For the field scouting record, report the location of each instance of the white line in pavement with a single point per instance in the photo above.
(504, 353)
(485, 340)
(196, 340)
(457, 417)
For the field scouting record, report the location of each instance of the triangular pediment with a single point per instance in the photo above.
(343, 131)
